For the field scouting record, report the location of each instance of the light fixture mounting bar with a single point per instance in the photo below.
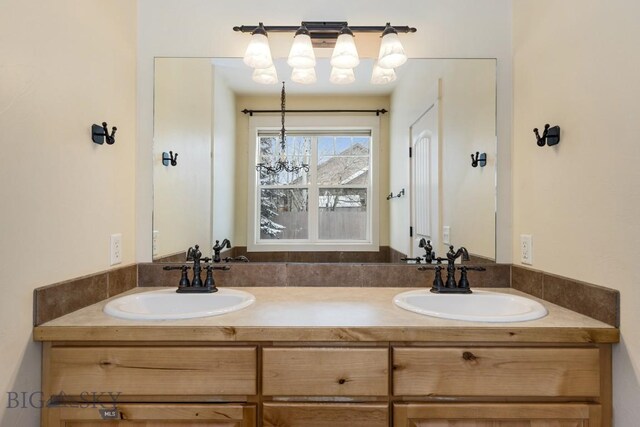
(324, 27)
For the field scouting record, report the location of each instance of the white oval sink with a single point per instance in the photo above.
(480, 306)
(166, 304)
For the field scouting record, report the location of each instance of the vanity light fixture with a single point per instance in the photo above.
(342, 76)
(345, 53)
(282, 164)
(304, 75)
(258, 53)
(391, 53)
(338, 35)
(266, 76)
(301, 55)
(382, 76)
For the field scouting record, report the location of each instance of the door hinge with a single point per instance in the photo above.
(410, 152)
(410, 231)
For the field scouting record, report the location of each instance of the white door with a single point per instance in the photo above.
(425, 180)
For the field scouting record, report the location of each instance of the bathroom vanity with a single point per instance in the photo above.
(326, 357)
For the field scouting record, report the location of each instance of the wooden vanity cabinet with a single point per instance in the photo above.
(561, 386)
(376, 384)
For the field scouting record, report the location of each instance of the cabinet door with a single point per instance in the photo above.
(150, 415)
(496, 415)
(325, 415)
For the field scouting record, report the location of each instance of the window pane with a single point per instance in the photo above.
(342, 214)
(343, 160)
(297, 150)
(284, 213)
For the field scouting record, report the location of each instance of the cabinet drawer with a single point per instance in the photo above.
(492, 371)
(496, 415)
(159, 415)
(325, 415)
(325, 372)
(152, 371)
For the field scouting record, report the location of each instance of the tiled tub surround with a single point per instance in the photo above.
(55, 300)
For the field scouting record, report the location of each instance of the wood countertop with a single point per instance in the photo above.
(326, 314)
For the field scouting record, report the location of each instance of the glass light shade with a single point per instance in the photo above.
(258, 53)
(301, 54)
(265, 76)
(345, 54)
(342, 76)
(382, 76)
(304, 75)
(391, 52)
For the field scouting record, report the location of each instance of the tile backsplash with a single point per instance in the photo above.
(55, 300)
(323, 274)
(594, 301)
(58, 299)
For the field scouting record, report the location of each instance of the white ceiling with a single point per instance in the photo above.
(238, 77)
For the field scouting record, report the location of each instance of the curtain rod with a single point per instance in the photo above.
(252, 112)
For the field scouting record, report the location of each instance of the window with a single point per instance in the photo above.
(328, 208)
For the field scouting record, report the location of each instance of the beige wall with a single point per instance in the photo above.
(446, 29)
(65, 65)
(224, 160)
(577, 65)
(309, 102)
(468, 124)
(182, 124)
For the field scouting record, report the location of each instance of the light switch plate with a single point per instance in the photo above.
(526, 249)
(446, 235)
(156, 235)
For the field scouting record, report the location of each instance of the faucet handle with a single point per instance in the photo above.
(473, 268)
(175, 267)
(436, 267)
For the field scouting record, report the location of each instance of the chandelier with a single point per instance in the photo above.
(282, 164)
(336, 35)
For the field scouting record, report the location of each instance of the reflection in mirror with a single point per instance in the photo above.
(444, 109)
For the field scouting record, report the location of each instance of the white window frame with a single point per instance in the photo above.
(313, 123)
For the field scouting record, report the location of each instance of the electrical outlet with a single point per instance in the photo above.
(526, 249)
(446, 235)
(154, 244)
(116, 249)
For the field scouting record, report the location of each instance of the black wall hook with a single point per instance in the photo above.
(550, 136)
(100, 133)
(391, 196)
(169, 158)
(479, 160)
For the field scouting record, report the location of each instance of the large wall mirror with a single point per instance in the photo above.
(363, 199)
